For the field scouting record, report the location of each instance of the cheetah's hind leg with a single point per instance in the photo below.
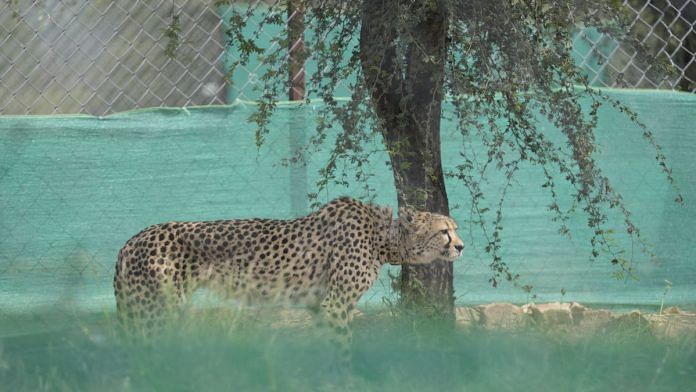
(146, 306)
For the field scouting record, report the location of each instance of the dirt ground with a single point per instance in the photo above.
(571, 318)
(576, 318)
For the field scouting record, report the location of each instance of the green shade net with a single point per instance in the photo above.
(73, 189)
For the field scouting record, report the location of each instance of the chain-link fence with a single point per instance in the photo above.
(664, 27)
(103, 56)
(99, 57)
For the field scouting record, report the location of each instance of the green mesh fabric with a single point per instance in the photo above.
(73, 189)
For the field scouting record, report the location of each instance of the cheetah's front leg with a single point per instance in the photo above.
(337, 313)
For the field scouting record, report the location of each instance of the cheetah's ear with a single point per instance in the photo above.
(406, 214)
(387, 210)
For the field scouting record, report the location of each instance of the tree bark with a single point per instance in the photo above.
(403, 62)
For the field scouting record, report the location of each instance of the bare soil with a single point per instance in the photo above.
(571, 318)
(576, 318)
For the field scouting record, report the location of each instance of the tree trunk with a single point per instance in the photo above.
(404, 66)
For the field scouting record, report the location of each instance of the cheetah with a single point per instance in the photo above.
(326, 260)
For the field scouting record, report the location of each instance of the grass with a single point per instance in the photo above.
(229, 351)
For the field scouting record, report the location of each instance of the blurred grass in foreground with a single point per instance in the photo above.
(225, 351)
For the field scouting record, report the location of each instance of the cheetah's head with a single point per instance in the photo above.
(425, 237)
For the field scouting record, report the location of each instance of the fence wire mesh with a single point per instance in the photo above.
(664, 27)
(100, 57)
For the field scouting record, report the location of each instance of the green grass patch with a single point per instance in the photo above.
(233, 351)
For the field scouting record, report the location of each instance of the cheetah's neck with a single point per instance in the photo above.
(393, 244)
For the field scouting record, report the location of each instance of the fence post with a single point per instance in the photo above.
(297, 123)
(297, 49)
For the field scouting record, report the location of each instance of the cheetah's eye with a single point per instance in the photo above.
(444, 231)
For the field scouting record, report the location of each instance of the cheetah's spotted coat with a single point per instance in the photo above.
(326, 260)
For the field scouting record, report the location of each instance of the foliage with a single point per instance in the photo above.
(172, 34)
(509, 64)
